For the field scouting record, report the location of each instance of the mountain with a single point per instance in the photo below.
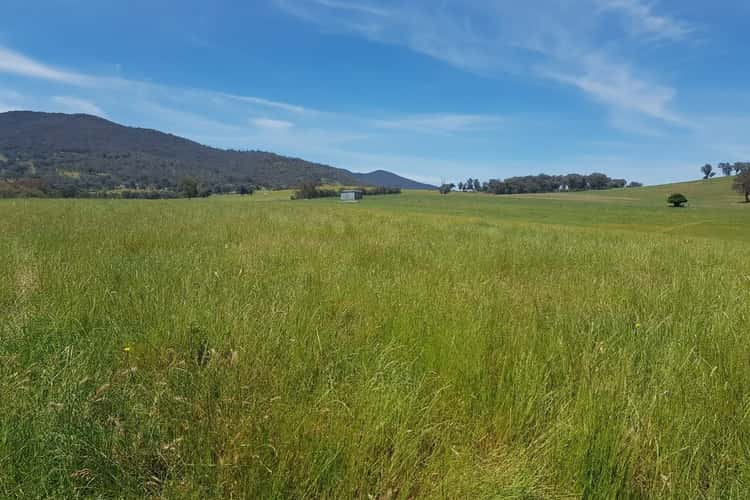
(93, 153)
(389, 179)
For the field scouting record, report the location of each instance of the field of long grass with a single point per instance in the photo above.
(459, 346)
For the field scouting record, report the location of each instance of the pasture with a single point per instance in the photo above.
(459, 346)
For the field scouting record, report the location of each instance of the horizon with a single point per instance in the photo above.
(648, 92)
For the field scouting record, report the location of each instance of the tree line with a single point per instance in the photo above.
(187, 187)
(727, 169)
(309, 191)
(741, 171)
(541, 183)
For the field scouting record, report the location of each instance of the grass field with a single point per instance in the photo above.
(459, 346)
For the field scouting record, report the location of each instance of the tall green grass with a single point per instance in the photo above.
(414, 346)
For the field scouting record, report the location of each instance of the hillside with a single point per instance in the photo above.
(388, 179)
(94, 153)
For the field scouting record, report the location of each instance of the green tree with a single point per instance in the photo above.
(677, 199)
(707, 170)
(446, 188)
(597, 180)
(496, 186)
(742, 184)
(575, 182)
(188, 187)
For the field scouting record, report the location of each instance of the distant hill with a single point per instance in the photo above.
(93, 153)
(389, 179)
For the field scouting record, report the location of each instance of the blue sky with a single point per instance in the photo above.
(435, 90)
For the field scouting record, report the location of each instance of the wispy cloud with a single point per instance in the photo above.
(494, 38)
(640, 19)
(15, 63)
(77, 105)
(440, 123)
(18, 64)
(354, 6)
(269, 124)
(275, 124)
(284, 106)
(614, 85)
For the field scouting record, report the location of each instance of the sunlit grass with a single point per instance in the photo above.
(415, 345)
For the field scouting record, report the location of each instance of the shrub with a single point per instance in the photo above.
(188, 187)
(446, 188)
(378, 190)
(69, 191)
(677, 199)
(310, 191)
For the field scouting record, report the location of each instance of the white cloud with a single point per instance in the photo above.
(12, 62)
(283, 106)
(269, 124)
(494, 38)
(77, 105)
(640, 20)
(357, 7)
(277, 125)
(18, 64)
(439, 123)
(614, 85)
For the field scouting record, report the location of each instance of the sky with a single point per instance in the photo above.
(435, 90)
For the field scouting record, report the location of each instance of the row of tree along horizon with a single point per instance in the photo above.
(187, 187)
(544, 183)
(741, 171)
(726, 168)
(190, 187)
(741, 183)
(541, 183)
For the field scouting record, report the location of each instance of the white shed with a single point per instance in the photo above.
(351, 195)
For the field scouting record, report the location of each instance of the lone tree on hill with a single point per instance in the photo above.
(677, 200)
(708, 171)
(742, 184)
